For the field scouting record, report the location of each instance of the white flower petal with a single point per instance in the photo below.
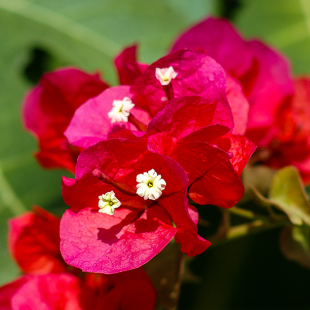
(150, 185)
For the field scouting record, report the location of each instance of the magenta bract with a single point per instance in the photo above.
(128, 68)
(221, 41)
(197, 74)
(91, 124)
(263, 73)
(49, 107)
(99, 242)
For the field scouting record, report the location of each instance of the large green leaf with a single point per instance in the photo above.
(284, 24)
(295, 244)
(287, 194)
(80, 33)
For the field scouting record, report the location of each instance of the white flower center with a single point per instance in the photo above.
(150, 185)
(121, 110)
(108, 203)
(165, 75)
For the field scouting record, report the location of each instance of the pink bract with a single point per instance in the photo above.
(197, 74)
(272, 85)
(34, 241)
(139, 229)
(219, 40)
(263, 73)
(91, 124)
(49, 107)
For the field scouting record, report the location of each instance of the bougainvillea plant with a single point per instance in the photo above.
(148, 156)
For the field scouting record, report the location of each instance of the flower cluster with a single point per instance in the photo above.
(49, 283)
(148, 146)
(278, 114)
(175, 133)
(176, 140)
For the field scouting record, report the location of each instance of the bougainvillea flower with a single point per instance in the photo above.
(91, 122)
(190, 130)
(49, 107)
(132, 290)
(239, 105)
(139, 228)
(272, 85)
(50, 291)
(34, 242)
(194, 73)
(220, 41)
(197, 74)
(128, 68)
(212, 161)
(292, 144)
(263, 73)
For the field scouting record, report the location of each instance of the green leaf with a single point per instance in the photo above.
(287, 194)
(260, 177)
(283, 24)
(294, 243)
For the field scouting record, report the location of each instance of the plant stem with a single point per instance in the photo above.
(242, 230)
(247, 214)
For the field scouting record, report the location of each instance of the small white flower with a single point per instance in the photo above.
(150, 185)
(121, 110)
(165, 75)
(108, 203)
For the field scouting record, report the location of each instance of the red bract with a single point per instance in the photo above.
(125, 291)
(192, 129)
(128, 68)
(34, 242)
(50, 291)
(292, 144)
(49, 107)
(263, 73)
(36, 236)
(130, 290)
(139, 229)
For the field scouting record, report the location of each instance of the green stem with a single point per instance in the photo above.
(247, 214)
(243, 230)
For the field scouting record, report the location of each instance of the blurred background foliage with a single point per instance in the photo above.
(40, 35)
